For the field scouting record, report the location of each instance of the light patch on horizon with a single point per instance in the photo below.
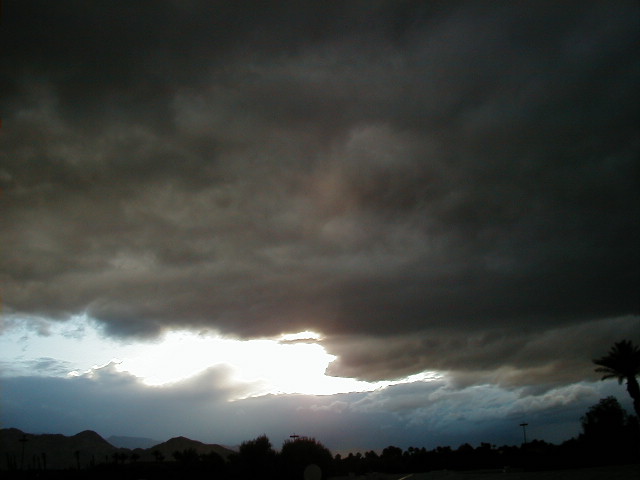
(291, 364)
(294, 363)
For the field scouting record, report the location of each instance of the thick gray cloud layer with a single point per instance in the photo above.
(419, 414)
(413, 179)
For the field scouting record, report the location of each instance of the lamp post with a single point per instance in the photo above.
(524, 431)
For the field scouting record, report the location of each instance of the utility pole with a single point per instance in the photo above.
(524, 431)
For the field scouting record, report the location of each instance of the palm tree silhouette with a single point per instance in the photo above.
(623, 362)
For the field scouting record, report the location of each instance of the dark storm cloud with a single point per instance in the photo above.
(463, 175)
(511, 357)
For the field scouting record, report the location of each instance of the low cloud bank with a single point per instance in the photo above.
(416, 414)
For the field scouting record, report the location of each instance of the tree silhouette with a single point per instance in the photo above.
(157, 454)
(257, 458)
(605, 420)
(391, 459)
(187, 457)
(212, 462)
(623, 363)
(297, 454)
(608, 431)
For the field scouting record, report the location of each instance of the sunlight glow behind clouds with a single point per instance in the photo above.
(280, 368)
(292, 363)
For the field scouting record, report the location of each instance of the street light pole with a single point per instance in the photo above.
(524, 431)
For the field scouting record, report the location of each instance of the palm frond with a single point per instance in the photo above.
(610, 373)
(622, 361)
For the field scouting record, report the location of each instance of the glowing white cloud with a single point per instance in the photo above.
(292, 363)
(273, 365)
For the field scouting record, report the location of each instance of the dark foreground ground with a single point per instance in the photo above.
(619, 472)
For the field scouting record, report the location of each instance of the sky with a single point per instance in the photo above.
(374, 223)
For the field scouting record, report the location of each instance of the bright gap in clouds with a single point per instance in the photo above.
(271, 364)
(292, 363)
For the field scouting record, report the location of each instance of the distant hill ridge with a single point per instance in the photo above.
(182, 443)
(56, 451)
(52, 451)
(90, 437)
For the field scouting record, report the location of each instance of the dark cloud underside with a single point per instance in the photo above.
(358, 168)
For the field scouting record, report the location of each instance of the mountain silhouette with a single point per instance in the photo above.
(52, 451)
(20, 450)
(179, 444)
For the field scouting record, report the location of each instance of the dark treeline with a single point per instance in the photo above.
(609, 436)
